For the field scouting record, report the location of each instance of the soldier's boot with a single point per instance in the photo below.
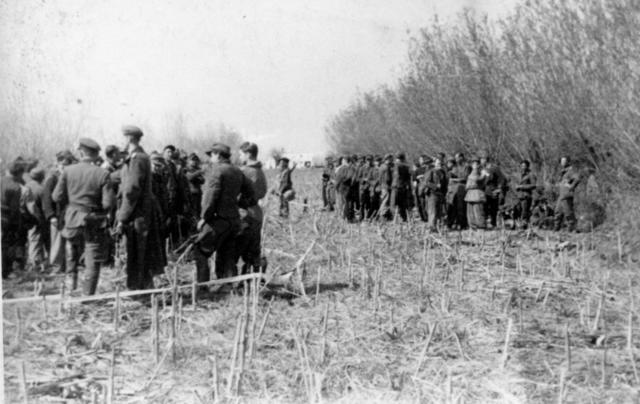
(91, 276)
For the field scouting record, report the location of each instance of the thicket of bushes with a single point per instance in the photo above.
(554, 77)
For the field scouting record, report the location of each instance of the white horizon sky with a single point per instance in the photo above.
(276, 71)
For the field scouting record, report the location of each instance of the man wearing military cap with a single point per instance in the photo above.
(364, 193)
(416, 177)
(12, 226)
(139, 215)
(374, 186)
(85, 190)
(224, 187)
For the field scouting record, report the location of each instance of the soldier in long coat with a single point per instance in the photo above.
(138, 215)
(345, 175)
(435, 189)
(85, 190)
(225, 185)
(457, 207)
(385, 180)
(526, 185)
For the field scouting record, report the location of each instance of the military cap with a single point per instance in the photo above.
(378, 158)
(111, 150)
(388, 156)
(130, 130)
(285, 159)
(89, 143)
(65, 155)
(401, 156)
(194, 157)
(16, 167)
(221, 149)
(37, 173)
(170, 147)
(249, 147)
(428, 160)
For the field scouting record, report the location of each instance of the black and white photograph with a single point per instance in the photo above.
(320, 201)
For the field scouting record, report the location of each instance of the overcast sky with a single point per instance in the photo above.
(274, 70)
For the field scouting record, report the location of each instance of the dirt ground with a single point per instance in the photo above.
(388, 313)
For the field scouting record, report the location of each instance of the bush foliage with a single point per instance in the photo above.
(554, 77)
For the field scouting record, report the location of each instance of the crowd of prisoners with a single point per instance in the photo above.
(452, 193)
(94, 206)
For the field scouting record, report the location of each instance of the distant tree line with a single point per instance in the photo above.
(554, 77)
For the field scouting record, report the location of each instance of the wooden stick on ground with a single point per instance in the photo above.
(505, 350)
(23, 383)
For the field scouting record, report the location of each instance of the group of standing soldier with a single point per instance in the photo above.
(453, 192)
(81, 211)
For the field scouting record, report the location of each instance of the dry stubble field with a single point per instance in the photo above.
(389, 313)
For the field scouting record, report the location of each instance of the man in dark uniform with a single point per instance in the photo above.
(54, 213)
(248, 241)
(435, 188)
(85, 190)
(401, 186)
(195, 179)
(138, 215)
(526, 185)
(565, 209)
(159, 180)
(176, 193)
(11, 217)
(224, 186)
(328, 186)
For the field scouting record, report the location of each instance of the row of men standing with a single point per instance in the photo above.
(458, 194)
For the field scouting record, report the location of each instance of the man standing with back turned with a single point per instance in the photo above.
(86, 191)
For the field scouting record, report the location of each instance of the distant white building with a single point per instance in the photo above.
(302, 160)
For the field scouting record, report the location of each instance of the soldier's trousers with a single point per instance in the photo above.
(374, 197)
(400, 202)
(247, 245)
(36, 248)
(219, 237)
(565, 212)
(139, 276)
(56, 249)
(328, 196)
(491, 208)
(365, 203)
(12, 249)
(457, 210)
(434, 210)
(386, 204)
(92, 242)
(346, 205)
(284, 206)
(523, 210)
(421, 204)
